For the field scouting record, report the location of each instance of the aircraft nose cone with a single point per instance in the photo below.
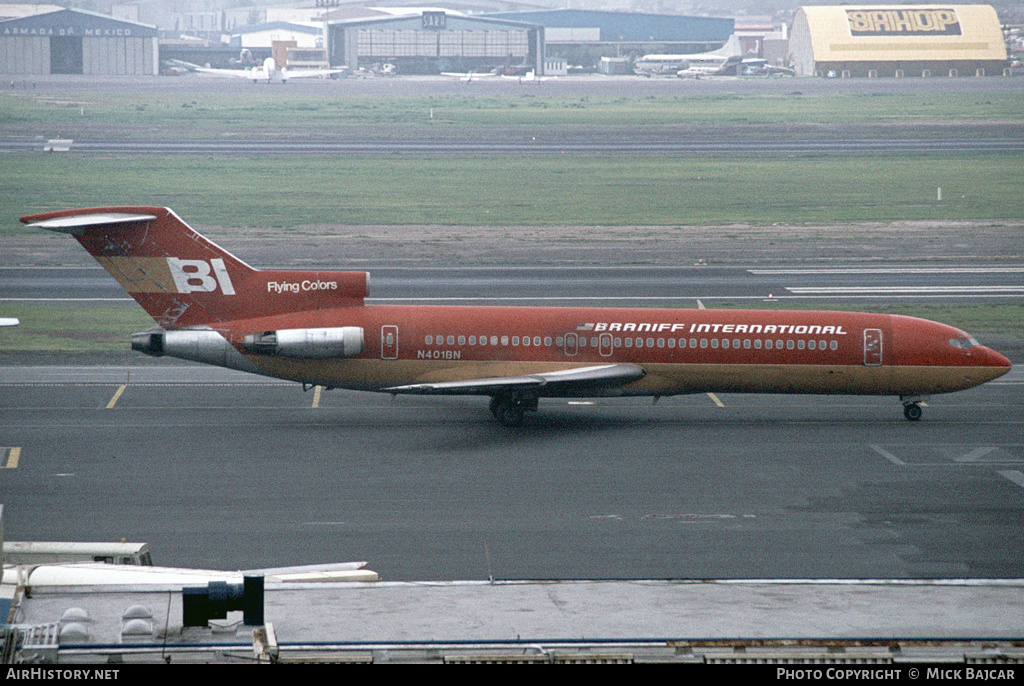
(999, 360)
(998, 363)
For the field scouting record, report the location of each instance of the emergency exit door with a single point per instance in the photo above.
(389, 342)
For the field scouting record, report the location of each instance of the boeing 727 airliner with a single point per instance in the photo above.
(313, 327)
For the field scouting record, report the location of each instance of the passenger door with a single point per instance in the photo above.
(872, 347)
(572, 342)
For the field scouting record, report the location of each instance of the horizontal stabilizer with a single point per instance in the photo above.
(74, 224)
(575, 378)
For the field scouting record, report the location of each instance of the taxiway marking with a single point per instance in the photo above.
(117, 395)
(13, 455)
(976, 454)
(1014, 476)
(902, 290)
(955, 455)
(887, 455)
(891, 270)
(715, 400)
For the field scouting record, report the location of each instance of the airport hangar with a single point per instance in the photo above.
(897, 40)
(589, 37)
(434, 41)
(628, 31)
(77, 42)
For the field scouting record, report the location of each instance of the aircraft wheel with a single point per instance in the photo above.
(912, 411)
(495, 402)
(509, 413)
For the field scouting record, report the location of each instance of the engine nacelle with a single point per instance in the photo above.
(318, 344)
(149, 342)
(198, 344)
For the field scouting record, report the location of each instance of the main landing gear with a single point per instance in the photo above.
(511, 408)
(911, 407)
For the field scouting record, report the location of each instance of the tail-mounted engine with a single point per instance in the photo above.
(200, 344)
(317, 344)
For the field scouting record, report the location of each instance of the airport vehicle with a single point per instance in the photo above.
(314, 327)
(269, 72)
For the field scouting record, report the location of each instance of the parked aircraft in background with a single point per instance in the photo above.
(385, 69)
(528, 77)
(727, 60)
(712, 67)
(269, 72)
(652, 65)
(314, 327)
(469, 76)
(703, 63)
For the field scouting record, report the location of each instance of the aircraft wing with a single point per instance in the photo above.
(469, 75)
(311, 73)
(575, 379)
(236, 73)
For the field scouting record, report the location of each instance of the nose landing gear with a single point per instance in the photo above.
(912, 408)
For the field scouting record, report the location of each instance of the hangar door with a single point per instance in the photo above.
(391, 43)
(66, 55)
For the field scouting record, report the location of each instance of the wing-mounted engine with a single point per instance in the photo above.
(315, 344)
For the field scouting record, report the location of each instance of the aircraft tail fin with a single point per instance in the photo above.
(183, 279)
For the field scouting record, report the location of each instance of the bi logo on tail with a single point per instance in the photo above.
(192, 276)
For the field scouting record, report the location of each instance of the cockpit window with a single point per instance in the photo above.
(963, 341)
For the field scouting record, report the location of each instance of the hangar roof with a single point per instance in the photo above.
(452, 21)
(277, 25)
(71, 22)
(630, 26)
(883, 33)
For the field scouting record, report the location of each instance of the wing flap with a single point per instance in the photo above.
(547, 383)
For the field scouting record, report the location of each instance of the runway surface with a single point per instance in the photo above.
(229, 471)
(318, 145)
(619, 285)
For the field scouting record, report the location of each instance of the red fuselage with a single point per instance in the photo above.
(683, 351)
